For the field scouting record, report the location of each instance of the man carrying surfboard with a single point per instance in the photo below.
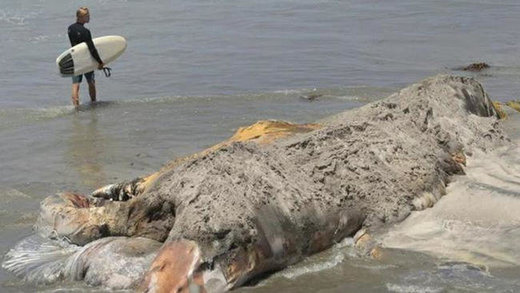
(79, 34)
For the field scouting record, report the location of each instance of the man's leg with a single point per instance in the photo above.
(76, 81)
(91, 85)
(92, 90)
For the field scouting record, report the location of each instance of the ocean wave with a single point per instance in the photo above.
(7, 194)
(13, 117)
(13, 114)
(412, 288)
(43, 38)
(57, 111)
(296, 271)
(352, 98)
(290, 91)
(16, 17)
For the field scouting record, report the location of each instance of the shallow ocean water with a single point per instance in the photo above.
(196, 71)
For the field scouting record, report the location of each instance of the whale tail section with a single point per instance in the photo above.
(39, 260)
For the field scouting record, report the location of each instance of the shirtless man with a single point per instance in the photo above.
(79, 34)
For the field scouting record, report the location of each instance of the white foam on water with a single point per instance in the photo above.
(411, 289)
(41, 38)
(477, 221)
(298, 270)
(347, 242)
(15, 17)
(335, 256)
(350, 98)
(12, 117)
(7, 194)
(291, 91)
(375, 267)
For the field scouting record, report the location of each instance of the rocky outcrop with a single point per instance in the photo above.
(475, 67)
(277, 192)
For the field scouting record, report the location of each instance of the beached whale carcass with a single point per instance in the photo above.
(273, 193)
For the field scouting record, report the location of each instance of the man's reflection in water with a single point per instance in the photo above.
(86, 149)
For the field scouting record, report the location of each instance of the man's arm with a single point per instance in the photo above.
(71, 38)
(93, 49)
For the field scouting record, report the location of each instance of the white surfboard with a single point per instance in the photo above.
(78, 60)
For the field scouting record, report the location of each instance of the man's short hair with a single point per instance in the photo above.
(82, 11)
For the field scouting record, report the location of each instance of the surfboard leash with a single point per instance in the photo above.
(107, 71)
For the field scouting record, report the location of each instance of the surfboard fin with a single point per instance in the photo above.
(66, 65)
